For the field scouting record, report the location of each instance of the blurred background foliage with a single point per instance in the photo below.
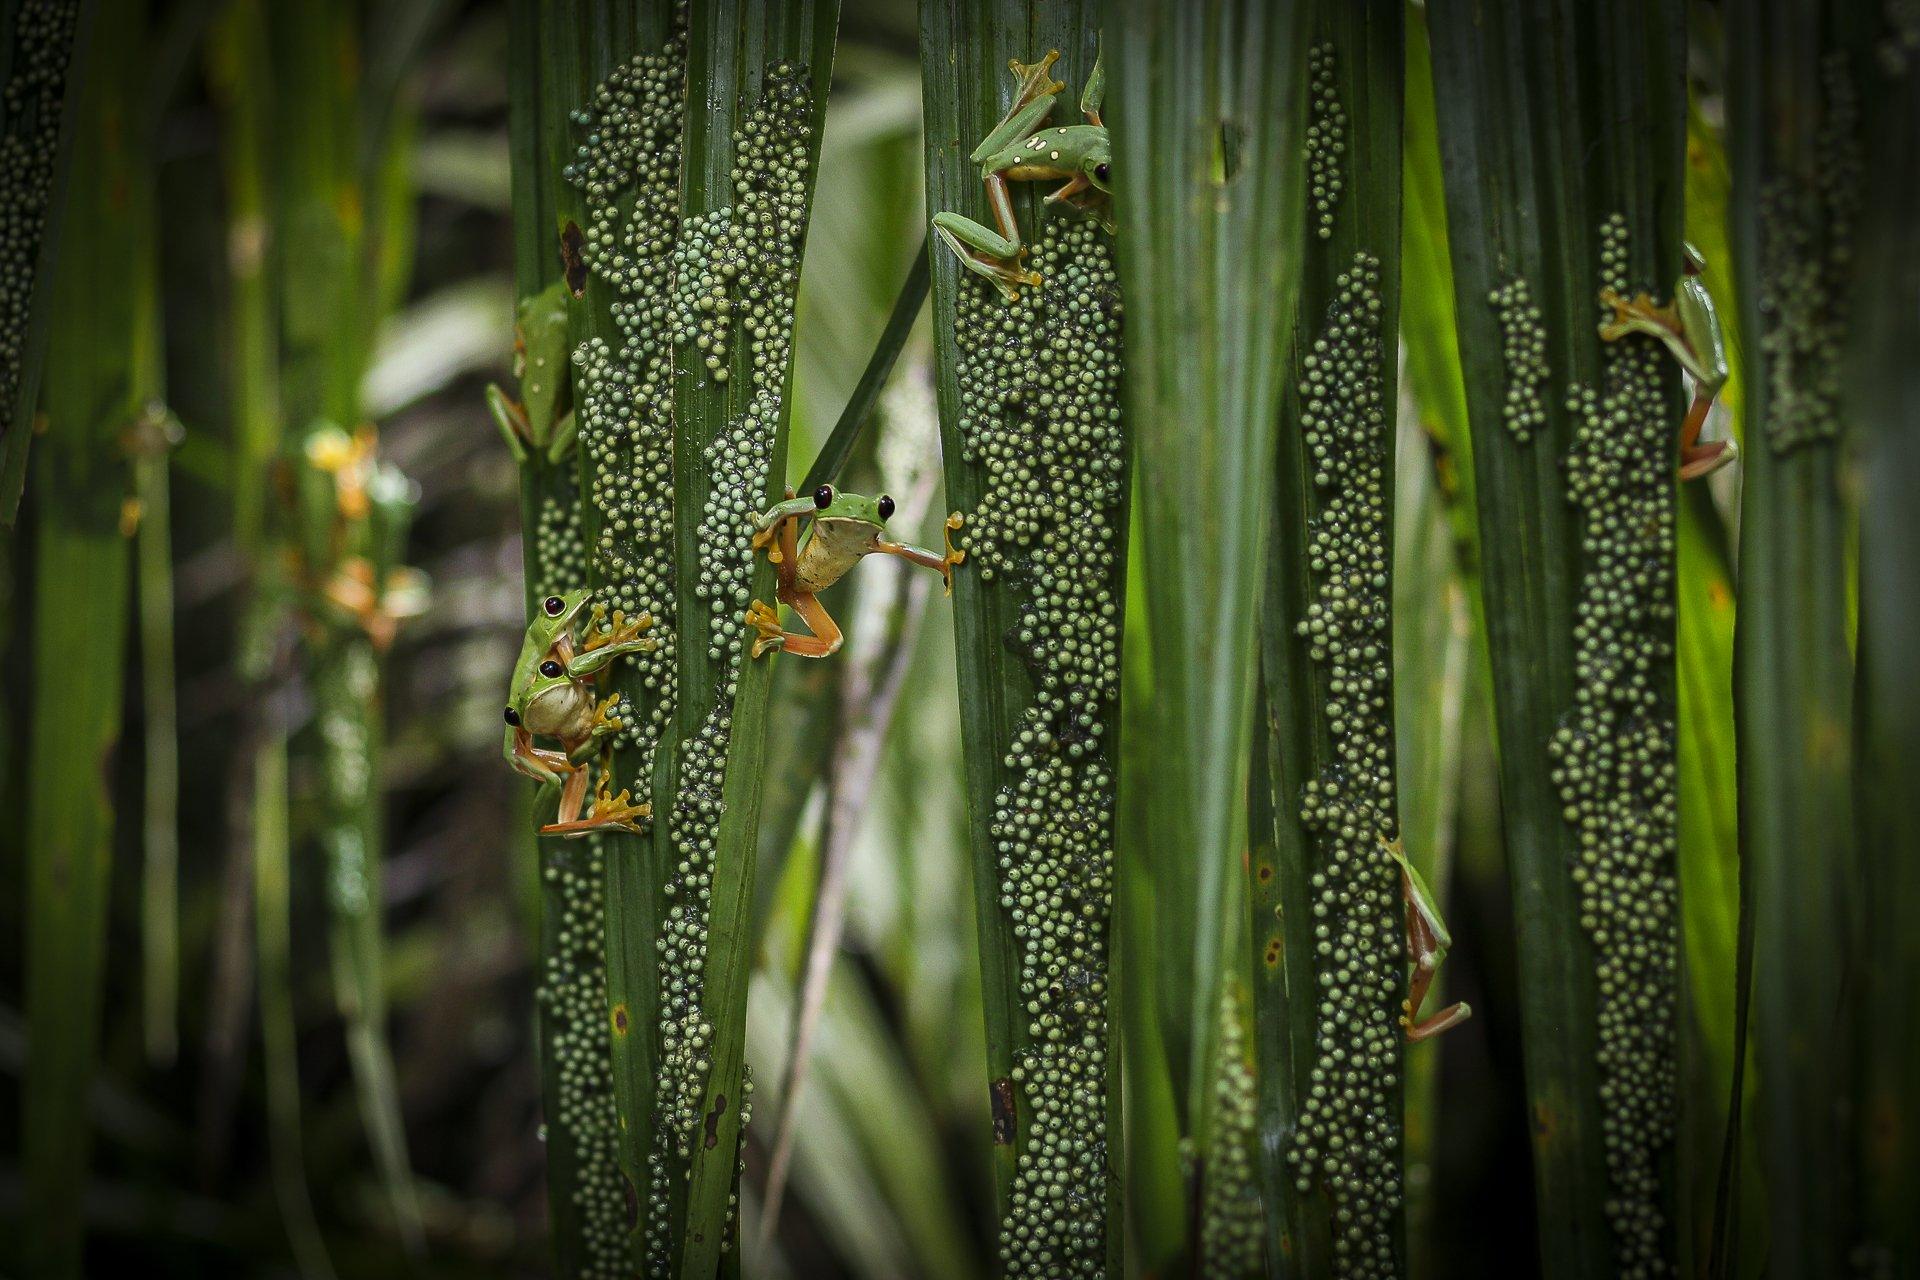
(203, 1083)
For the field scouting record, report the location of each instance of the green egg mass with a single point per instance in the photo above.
(1040, 415)
(1347, 1142)
(733, 278)
(29, 136)
(1613, 760)
(1806, 255)
(1523, 349)
(627, 168)
(1326, 136)
(1232, 1218)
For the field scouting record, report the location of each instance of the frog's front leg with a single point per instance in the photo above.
(777, 523)
(602, 647)
(605, 725)
(931, 559)
(983, 251)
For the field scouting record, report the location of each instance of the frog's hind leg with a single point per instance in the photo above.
(1095, 94)
(1424, 947)
(984, 251)
(824, 642)
(1698, 459)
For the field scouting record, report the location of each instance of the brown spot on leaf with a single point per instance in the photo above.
(620, 1021)
(1545, 1122)
(1003, 1112)
(713, 1120)
(1265, 872)
(1273, 951)
(572, 261)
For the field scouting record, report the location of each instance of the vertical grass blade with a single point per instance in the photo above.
(348, 519)
(273, 915)
(1793, 141)
(160, 720)
(1326, 636)
(1885, 403)
(1559, 181)
(757, 80)
(81, 571)
(592, 956)
(44, 61)
(1211, 112)
(1036, 456)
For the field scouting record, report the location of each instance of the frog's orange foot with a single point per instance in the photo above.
(1634, 315)
(604, 721)
(955, 555)
(609, 812)
(765, 619)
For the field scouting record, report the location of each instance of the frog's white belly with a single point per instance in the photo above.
(833, 547)
(564, 712)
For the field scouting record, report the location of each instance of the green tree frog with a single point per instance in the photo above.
(552, 696)
(1020, 150)
(1427, 943)
(1690, 328)
(540, 424)
(845, 527)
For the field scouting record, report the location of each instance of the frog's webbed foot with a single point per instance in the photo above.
(609, 812)
(1445, 1020)
(1035, 78)
(955, 555)
(1638, 314)
(765, 619)
(984, 253)
(621, 631)
(605, 722)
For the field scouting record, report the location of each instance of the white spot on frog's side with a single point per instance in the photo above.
(1053, 155)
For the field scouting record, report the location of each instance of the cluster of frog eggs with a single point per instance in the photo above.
(573, 1004)
(627, 168)
(559, 546)
(740, 266)
(1346, 1139)
(1523, 350)
(1232, 1222)
(1040, 412)
(30, 114)
(1326, 136)
(1613, 760)
(1806, 247)
(736, 274)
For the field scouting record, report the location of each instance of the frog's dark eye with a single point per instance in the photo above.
(513, 717)
(823, 496)
(550, 669)
(1100, 172)
(886, 507)
(553, 605)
